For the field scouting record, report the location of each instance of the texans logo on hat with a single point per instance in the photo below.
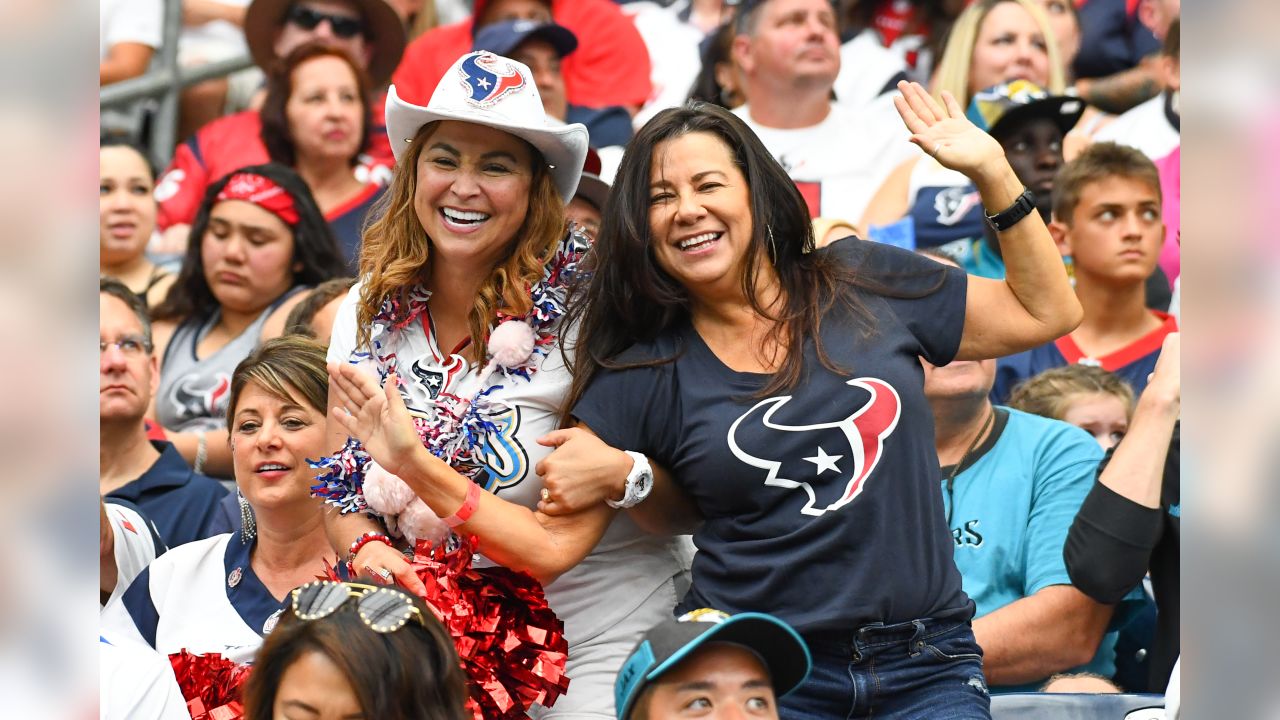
(488, 78)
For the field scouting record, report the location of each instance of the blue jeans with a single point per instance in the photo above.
(917, 669)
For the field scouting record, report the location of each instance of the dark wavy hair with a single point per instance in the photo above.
(275, 120)
(629, 298)
(412, 673)
(313, 246)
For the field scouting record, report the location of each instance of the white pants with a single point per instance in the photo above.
(593, 665)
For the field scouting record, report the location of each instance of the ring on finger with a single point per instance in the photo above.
(546, 495)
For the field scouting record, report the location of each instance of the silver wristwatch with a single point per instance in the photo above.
(639, 483)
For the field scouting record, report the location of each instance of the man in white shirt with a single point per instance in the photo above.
(789, 54)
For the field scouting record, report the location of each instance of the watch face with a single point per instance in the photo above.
(644, 482)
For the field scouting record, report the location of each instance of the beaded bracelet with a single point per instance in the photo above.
(365, 539)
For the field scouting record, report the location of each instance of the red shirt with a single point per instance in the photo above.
(610, 66)
(235, 141)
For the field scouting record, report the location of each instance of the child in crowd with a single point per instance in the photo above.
(1090, 398)
(1106, 219)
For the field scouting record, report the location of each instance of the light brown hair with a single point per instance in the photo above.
(1051, 393)
(1098, 162)
(280, 364)
(396, 252)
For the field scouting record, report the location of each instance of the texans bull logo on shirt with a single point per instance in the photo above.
(835, 459)
(488, 78)
(192, 400)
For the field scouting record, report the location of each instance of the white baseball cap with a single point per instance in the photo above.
(497, 92)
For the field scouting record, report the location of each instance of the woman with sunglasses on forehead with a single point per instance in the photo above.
(462, 284)
(347, 650)
(259, 240)
(224, 593)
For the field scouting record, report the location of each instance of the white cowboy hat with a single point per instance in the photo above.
(497, 92)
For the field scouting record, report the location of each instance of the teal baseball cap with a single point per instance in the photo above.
(668, 643)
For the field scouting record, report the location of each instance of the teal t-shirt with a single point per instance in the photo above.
(1012, 509)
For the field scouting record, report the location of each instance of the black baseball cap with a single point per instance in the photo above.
(501, 38)
(670, 642)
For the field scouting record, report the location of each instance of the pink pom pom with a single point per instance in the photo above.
(385, 493)
(511, 343)
(418, 522)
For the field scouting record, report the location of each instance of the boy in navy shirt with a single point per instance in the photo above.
(1107, 219)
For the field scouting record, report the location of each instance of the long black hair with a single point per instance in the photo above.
(314, 248)
(628, 298)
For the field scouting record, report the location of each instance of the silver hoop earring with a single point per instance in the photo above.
(248, 523)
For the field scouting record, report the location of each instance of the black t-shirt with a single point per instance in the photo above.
(821, 503)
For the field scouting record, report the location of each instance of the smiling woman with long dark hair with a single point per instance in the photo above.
(781, 385)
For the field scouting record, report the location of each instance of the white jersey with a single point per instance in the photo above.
(134, 545)
(626, 567)
(1145, 127)
(202, 597)
(136, 683)
(866, 69)
(128, 21)
(839, 163)
(673, 54)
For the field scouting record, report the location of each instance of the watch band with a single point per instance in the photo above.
(635, 492)
(1021, 207)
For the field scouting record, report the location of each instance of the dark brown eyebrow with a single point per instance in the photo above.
(695, 178)
(247, 228)
(446, 147)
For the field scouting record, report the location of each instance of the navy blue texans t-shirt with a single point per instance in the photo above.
(821, 503)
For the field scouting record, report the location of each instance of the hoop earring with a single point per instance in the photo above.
(248, 523)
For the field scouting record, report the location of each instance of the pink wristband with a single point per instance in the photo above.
(468, 507)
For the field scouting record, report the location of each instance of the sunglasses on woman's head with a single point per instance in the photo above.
(382, 609)
(308, 19)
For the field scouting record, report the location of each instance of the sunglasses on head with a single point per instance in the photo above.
(308, 19)
(382, 609)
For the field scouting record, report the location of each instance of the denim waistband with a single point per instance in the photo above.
(879, 635)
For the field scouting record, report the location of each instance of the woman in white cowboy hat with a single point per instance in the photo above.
(462, 287)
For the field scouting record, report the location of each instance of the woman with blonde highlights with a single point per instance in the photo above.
(463, 283)
(992, 42)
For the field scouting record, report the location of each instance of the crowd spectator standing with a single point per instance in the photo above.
(788, 52)
(1106, 218)
(151, 475)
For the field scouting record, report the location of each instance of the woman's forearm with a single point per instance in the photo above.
(511, 535)
(1033, 266)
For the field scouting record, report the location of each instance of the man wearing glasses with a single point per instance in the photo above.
(370, 31)
(149, 474)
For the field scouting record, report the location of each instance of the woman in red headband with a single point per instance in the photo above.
(258, 239)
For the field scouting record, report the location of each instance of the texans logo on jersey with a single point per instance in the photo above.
(488, 78)
(954, 203)
(191, 400)
(836, 458)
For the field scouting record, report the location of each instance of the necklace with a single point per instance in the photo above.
(955, 469)
(456, 426)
